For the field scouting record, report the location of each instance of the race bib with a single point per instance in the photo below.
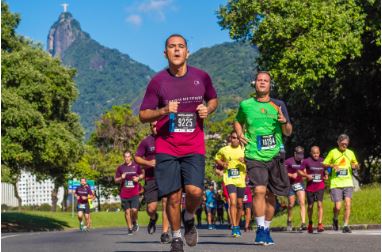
(266, 142)
(185, 122)
(82, 206)
(245, 197)
(233, 173)
(211, 205)
(297, 187)
(317, 178)
(342, 173)
(129, 184)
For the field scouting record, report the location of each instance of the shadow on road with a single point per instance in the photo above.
(23, 222)
(139, 242)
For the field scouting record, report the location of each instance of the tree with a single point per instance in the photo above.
(325, 59)
(216, 133)
(116, 131)
(39, 131)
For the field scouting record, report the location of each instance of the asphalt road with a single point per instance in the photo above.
(117, 240)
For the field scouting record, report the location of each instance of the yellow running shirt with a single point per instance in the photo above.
(343, 177)
(236, 172)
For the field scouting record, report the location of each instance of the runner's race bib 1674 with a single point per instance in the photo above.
(233, 173)
(266, 142)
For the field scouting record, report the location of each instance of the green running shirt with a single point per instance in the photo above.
(262, 128)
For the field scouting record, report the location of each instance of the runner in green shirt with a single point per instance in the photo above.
(342, 161)
(260, 124)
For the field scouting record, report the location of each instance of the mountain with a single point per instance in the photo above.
(105, 77)
(231, 66)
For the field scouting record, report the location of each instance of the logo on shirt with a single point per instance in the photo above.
(196, 82)
(263, 110)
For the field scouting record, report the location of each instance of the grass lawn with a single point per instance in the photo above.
(366, 209)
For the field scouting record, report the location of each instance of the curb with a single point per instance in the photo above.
(330, 227)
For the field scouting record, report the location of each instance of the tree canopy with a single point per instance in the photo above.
(39, 131)
(324, 57)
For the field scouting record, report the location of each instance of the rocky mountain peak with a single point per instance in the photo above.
(62, 34)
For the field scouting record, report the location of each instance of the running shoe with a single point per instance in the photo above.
(213, 227)
(289, 226)
(303, 227)
(260, 236)
(165, 238)
(320, 228)
(233, 232)
(238, 232)
(177, 245)
(335, 225)
(310, 229)
(268, 238)
(81, 226)
(346, 229)
(151, 228)
(190, 231)
(135, 226)
(129, 231)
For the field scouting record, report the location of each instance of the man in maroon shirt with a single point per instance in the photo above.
(175, 99)
(293, 164)
(83, 193)
(128, 176)
(145, 156)
(314, 172)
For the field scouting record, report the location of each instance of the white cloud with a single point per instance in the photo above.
(134, 20)
(156, 9)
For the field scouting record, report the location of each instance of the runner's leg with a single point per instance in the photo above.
(291, 202)
(165, 223)
(347, 210)
(301, 200)
(173, 209)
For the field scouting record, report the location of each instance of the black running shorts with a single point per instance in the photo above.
(173, 173)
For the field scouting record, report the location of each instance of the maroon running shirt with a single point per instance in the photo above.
(190, 91)
(83, 191)
(292, 166)
(314, 168)
(128, 188)
(146, 150)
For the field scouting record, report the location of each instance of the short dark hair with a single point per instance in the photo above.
(127, 151)
(174, 35)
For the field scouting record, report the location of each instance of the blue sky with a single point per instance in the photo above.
(135, 27)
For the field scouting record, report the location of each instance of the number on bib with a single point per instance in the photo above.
(82, 206)
(266, 142)
(233, 173)
(317, 178)
(129, 184)
(342, 172)
(185, 122)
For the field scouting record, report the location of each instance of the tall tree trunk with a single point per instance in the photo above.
(65, 201)
(14, 183)
(98, 196)
(55, 196)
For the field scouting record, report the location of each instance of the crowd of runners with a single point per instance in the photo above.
(253, 167)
